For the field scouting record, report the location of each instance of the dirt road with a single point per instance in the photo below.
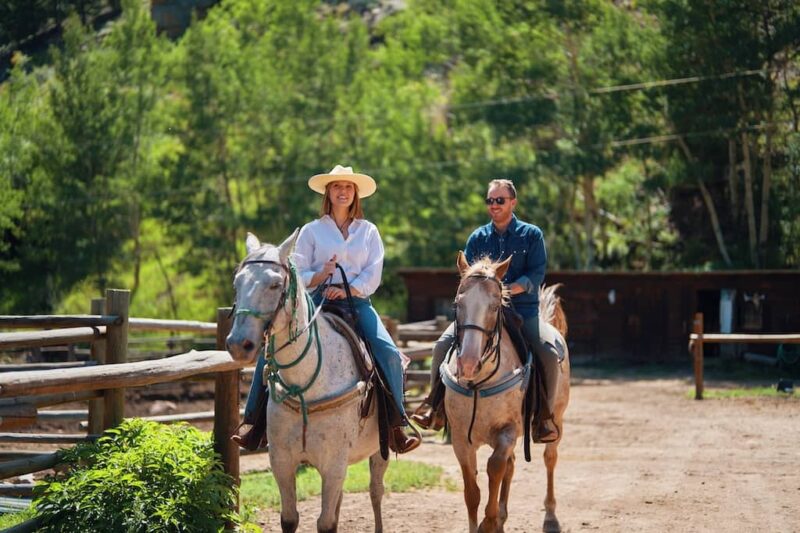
(637, 455)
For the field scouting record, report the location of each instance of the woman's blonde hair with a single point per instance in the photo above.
(355, 208)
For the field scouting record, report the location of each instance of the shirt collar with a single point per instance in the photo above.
(510, 228)
(354, 224)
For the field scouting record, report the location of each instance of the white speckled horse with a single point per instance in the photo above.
(485, 390)
(313, 415)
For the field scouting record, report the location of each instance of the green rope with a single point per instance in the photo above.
(273, 367)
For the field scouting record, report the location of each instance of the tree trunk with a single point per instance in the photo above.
(749, 204)
(765, 190)
(712, 211)
(590, 208)
(733, 179)
(137, 249)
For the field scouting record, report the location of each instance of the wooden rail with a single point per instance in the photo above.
(103, 380)
(58, 321)
(117, 376)
(55, 337)
(153, 324)
(697, 338)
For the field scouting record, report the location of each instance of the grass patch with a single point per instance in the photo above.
(259, 489)
(12, 519)
(742, 392)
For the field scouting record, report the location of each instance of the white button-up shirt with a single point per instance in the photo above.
(361, 254)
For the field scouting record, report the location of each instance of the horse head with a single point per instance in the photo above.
(478, 307)
(263, 282)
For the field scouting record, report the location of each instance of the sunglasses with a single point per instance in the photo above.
(500, 200)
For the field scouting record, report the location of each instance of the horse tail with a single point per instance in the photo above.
(550, 308)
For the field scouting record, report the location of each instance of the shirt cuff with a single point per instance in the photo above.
(357, 286)
(526, 283)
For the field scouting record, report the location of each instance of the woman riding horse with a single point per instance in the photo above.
(341, 235)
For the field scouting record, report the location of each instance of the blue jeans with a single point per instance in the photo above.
(386, 354)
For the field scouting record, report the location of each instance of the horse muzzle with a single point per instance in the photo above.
(468, 367)
(241, 348)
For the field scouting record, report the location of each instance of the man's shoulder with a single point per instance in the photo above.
(526, 229)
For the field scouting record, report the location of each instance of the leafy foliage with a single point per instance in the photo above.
(140, 476)
(136, 161)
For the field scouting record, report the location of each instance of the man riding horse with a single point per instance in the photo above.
(507, 236)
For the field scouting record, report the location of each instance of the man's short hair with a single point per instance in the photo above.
(508, 184)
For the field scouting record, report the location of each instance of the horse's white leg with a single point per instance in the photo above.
(551, 524)
(496, 469)
(377, 468)
(468, 460)
(284, 471)
(333, 474)
(505, 489)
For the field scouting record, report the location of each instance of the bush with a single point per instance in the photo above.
(139, 477)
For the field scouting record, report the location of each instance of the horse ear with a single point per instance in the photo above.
(461, 262)
(502, 268)
(251, 243)
(287, 246)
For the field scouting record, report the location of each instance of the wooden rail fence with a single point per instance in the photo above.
(24, 392)
(698, 338)
(101, 381)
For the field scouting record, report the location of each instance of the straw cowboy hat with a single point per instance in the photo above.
(366, 185)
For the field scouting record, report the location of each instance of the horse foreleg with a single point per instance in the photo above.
(377, 468)
(467, 459)
(551, 524)
(496, 469)
(332, 486)
(284, 472)
(505, 489)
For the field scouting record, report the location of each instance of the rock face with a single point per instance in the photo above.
(174, 16)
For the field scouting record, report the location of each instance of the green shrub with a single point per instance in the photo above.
(139, 477)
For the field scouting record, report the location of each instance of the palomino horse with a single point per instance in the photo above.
(313, 416)
(485, 388)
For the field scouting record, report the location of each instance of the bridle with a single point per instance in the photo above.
(273, 366)
(490, 349)
(493, 335)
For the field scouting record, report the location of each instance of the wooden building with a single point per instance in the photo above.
(642, 316)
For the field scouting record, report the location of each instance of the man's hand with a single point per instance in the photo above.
(516, 288)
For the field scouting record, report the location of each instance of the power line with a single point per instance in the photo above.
(677, 81)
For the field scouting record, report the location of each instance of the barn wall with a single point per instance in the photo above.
(639, 316)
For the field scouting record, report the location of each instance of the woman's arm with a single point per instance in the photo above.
(369, 279)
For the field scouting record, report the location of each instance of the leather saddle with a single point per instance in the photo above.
(344, 324)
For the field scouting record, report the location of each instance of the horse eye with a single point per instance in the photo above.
(275, 285)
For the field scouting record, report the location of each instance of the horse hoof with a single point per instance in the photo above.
(490, 526)
(551, 525)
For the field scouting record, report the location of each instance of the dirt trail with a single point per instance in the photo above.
(637, 455)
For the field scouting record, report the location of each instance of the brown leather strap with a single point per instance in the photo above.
(324, 404)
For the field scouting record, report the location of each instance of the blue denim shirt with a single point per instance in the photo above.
(525, 243)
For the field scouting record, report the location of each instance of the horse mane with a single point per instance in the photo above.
(550, 309)
(486, 267)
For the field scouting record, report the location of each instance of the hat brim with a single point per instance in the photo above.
(366, 185)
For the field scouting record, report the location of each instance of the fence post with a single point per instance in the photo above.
(697, 347)
(226, 404)
(117, 303)
(98, 350)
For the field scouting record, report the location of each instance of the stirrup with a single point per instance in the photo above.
(247, 437)
(423, 415)
(402, 443)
